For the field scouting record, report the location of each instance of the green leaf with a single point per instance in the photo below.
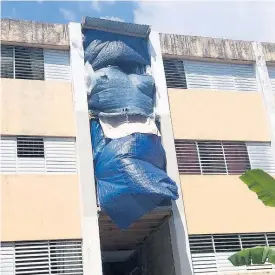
(271, 256)
(255, 255)
(262, 184)
(242, 257)
(258, 255)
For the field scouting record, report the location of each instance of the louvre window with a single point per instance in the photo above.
(271, 72)
(212, 157)
(223, 243)
(174, 74)
(187, 156)
(236, 157)
(30, 147)
(251, 240)
(22, 62)
(7, 61)
(210, 252)
(35, 63)
(261, 156)
(201, 244)
(209, 75)
(42, 257)
(57, 65)
(37, 155)
(29, 63)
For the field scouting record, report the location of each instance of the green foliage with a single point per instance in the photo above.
(262, 184)
(255, 255)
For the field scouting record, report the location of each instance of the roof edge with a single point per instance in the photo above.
(118, 27)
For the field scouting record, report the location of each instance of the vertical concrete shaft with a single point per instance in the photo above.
(266, 89)
(177, 224)
(90, 231)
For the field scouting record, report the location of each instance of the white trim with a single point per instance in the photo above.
(90, 229)
(177, 224)
(266, 89)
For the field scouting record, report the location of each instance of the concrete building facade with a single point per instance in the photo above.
(216, 104)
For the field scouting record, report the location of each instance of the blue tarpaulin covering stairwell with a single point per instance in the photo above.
(130, 171)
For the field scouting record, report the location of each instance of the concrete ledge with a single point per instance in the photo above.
(34, 33)
(206, 47)
(269, 51)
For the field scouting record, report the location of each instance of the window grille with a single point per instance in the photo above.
(210, 252)
(7, 61)
(209, 75)
(261, 156)
(29, 63)
(212, 157)
(174, 74)
(42, 257)
(187, 156)
(35, 63)
(30, 147)
(271, 72)
(37, 155)
(57, 65)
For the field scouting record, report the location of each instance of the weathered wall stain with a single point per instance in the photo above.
(206, 47)
(31, 32)
(269, 51)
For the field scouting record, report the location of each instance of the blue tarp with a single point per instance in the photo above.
(116, 93)
(129, 171)
(105, 48)
(130, 175)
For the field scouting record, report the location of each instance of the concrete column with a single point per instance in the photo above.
(177, 224)
(90, 231)
(265, 86)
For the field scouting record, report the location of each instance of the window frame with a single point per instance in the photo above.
(27, 63)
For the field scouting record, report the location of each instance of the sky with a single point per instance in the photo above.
(241, 20)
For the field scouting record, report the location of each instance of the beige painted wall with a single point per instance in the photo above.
(34, 107)
(37, 207)
(218, 115)
(223, 204)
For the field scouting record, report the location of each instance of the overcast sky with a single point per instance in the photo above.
(244, 20)
(253, 20)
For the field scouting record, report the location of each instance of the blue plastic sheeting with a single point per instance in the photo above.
(130, 175)
(105, 48)
(117, 93)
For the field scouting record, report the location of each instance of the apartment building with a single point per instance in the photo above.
(221, 95)
(216, 108)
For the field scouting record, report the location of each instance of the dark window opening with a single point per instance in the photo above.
(251, 240)
(28, 147)
(201, 244)
(174, 74)
(7, 61)
(224, 243)
(22, 62)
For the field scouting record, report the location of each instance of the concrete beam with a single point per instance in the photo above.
(34, 34)
(266, 89)
(90, 230)
(177, 223)
(205, 47)
(269, 51)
